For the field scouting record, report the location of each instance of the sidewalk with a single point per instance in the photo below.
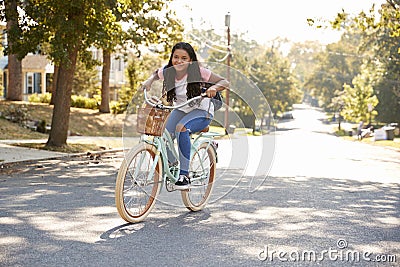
(12, 154)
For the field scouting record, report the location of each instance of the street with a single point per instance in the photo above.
(311, 199)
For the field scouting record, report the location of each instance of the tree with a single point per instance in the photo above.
(380, 38)
(105, 83)
(359, 100)
(69, 28)
(276, 81)
(86, 79)
(160, 28)
(336, 66)
(14, 89)
(303, 60)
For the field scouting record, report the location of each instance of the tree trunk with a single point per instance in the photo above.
(14, 89)
(54, 84)
(62, 102)
(105, 83)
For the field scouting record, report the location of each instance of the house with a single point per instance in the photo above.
(117, 71)
(37, 71)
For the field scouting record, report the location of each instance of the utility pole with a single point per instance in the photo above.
(228, 74)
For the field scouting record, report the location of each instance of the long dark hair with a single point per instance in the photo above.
(193, 79)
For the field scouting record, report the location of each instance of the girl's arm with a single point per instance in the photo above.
(153, 77)
(219, 84)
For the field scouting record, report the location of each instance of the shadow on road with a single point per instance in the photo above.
(63, 213)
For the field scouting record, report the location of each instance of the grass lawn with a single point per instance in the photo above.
(82, 121)
(370, 140)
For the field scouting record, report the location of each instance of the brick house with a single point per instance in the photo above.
(37, 71)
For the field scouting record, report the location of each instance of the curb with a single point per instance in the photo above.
(71, 155)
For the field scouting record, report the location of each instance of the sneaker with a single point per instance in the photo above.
(183, 182)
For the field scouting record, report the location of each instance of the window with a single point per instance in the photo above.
(29, 83)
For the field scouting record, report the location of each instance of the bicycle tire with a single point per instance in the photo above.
(200, 191)
(135, 193)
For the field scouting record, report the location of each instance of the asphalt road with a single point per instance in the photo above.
(311, 199)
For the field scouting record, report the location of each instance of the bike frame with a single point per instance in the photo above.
(162, 142)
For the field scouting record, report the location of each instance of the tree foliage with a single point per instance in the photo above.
(86, 80)
(265, 66)
(274, 77)
(380, 38)
(69, 28)
(359, 100)
(302, 57)
(336, 65)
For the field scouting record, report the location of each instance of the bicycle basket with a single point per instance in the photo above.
(152, 120)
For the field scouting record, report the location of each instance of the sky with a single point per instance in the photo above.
(264, 20)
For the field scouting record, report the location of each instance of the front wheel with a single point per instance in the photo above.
(138, 183)
(202, 175)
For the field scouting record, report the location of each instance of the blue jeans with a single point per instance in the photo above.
(193, 121)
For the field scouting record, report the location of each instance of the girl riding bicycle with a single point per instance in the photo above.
(183, 78)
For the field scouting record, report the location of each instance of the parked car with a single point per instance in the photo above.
(287, 116)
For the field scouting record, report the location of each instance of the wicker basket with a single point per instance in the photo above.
(152, 120)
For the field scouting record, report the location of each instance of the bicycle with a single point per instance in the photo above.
(145, 169)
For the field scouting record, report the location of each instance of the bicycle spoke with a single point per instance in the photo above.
(140, 184)
(202, 172)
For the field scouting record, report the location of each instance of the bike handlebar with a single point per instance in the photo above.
(148, 101)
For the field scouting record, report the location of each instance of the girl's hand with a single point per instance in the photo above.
(211, 92)
(147, 84)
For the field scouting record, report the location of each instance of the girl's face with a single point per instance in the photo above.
(181, 60)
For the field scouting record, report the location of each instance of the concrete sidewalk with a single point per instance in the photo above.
(10, 153)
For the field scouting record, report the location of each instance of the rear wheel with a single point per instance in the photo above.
(202, 174)
(138, 183)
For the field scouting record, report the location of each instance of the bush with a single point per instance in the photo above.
(34, 98)
(117, 107)
(78, 101)
(40, 98)
(18, 114)
(41, 126)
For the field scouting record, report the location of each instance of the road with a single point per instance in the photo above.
(321, 201)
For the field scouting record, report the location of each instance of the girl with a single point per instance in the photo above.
(182, 78)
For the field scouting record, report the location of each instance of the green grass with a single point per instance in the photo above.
(369, 140)
(82, 121)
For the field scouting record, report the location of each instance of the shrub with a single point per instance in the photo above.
(41, 126)
(18, 114)
(117, 107)
(78, 101)
(45, 98)
(40, 98)
(34, 98)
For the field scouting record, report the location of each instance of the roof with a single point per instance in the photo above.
(36, 62)
(30, 63)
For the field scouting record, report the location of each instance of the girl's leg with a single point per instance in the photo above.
(194, 121)
(173, 119)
